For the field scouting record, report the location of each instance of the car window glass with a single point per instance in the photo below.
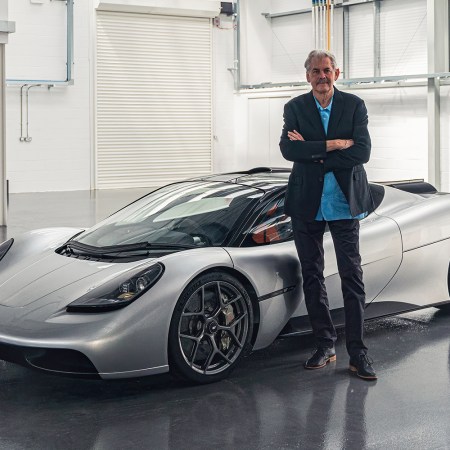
(198, 213)
(271, 226)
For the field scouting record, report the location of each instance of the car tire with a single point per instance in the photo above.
(211, 328)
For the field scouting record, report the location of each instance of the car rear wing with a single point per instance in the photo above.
(418, 186)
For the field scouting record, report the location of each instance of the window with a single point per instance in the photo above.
(271, 226)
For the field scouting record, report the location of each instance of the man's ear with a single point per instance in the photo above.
(336, 74)
(308, 79)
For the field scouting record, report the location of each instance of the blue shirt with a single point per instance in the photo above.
(333, 205)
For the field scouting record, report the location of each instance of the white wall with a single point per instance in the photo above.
(59, 155)
(398, 128)
(256, 42)
(397, 124)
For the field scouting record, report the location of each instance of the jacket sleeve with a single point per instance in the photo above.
(299, 151)
(357, 154)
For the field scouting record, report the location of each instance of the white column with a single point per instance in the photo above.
(6, 27)
(3, 199)
(438, 61)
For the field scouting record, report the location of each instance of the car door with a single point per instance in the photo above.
(268, 258)
(381, 255)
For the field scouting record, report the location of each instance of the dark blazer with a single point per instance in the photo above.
(348, 120)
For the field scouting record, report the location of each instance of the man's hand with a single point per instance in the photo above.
(295, 136)
(339, 144)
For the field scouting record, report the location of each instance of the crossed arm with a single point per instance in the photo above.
(335, 153)
(331, 145)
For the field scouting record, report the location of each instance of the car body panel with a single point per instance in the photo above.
(422, 277)
(422, 219)
(128, 342)
(381, 256)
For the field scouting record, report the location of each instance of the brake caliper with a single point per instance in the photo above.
(228, 314)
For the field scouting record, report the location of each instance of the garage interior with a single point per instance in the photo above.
(105, 101)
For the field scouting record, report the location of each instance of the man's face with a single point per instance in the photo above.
(321, 75)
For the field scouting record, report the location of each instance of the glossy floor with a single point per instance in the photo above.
(269, 402)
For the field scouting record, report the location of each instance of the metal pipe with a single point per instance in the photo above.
(69, 58)
(21, 113)
(28, 138)
(367, 82)
(321, 24)
(313, 16)
(346, 41)
(328, 26)
(237, 50)
(317, 24)
(308, 10)
(69, 32)
(332, 25)
(376, 39)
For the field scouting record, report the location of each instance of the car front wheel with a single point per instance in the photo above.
(210, 329)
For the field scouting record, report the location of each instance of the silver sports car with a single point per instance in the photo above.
(194, 275)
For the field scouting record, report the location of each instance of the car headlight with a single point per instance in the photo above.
(4, 247)
(119, 292)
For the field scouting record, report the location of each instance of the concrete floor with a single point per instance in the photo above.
(269, 402)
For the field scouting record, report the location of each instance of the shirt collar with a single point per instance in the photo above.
(320, 108)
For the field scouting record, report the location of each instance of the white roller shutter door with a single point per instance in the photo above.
(154, 81)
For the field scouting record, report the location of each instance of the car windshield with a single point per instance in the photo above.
(197, 213)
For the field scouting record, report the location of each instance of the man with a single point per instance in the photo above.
(325, 135)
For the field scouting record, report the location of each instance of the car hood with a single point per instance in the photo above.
(49, 273)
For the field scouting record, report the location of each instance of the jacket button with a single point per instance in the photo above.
(320, 179)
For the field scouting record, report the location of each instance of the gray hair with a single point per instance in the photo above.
(320, 54)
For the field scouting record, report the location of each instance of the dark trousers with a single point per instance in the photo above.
(308, 238)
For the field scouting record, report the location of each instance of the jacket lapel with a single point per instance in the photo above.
(313, 115)
(336, 112)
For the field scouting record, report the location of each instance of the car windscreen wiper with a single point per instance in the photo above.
(79, 247)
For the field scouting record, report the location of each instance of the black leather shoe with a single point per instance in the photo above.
(362, 367)
(320, 358)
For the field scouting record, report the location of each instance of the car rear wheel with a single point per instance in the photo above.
(210, 329)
